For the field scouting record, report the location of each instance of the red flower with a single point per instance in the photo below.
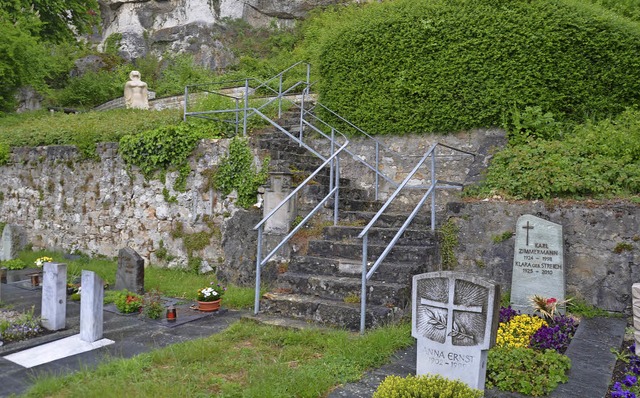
(551, 301)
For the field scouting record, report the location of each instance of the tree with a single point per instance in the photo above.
(61, 20)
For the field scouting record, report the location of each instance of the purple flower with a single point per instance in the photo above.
(630, 380)
(506, 313)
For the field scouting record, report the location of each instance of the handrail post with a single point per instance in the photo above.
(308, 74)
(246, 106)
(363, 290)
(301, 117)
(333, 165)
(336, 198)
(237, 115)
(280, 98)
(186, 99)
(256, 304)
(434, 183)
(377, 167)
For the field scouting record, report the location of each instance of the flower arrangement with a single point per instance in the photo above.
(556, 335)
(41, 260)
(211, 293)
(547, 307)
(518, 331)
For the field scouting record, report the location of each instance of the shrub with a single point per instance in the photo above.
(424, 387)
(128, 302)
(525, 370)
(420, 66)
(596, 159)
(16, 263)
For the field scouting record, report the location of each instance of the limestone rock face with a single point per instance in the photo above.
(191, 26)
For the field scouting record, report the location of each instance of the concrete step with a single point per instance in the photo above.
(388, 271)
(387, 219)
(327, 312)
(400, 254)
(379, 236)
(345, 287)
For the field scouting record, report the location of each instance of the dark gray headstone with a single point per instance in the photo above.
(538, 262)
(54, 296)
(91, 306)
(130, 273)
(454, 319)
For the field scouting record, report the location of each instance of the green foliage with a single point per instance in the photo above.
(502, 237)
(61, 20)
(448, 237)
(91, 89)
(426, 386)
(128, 302)
(5, 153)
(579, 307)
(531, 124)
(83, 130)
(237, 171)
(526, 371)
(180, 71)
(430, 66)
(623, 247)
(112, 43)
(164, 148)
(597, 159)
(152, 304)
(15, 263)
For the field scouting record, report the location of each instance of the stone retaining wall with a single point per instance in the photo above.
(596, 267)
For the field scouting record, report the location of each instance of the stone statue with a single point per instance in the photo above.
(135, 92)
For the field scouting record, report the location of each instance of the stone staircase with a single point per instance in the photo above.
(322, 282)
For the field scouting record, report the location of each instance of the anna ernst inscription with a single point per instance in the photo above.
(538, 262)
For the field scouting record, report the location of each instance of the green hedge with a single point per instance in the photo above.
(445, 65)
(426, 386)
(596, 159)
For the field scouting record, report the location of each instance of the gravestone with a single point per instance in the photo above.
(130, 273)
(12, 242)
(91, 304)
(54, 296)
(635, 294)
(454, 319)
(538, 262)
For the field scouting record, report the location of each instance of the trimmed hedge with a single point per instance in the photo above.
(445, 65)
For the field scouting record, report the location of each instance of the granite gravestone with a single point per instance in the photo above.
(130, 273)
(635, 293)
(12, 242)
(91, 305)
(454, 319)
(538, 262)
(54, 296)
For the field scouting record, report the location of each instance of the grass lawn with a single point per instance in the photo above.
(246, 360)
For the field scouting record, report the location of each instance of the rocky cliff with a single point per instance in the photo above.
(192, 26)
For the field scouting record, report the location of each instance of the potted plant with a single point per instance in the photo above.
(209, 298)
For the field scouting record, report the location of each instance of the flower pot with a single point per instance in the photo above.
(209, 306)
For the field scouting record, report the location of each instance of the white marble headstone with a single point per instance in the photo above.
(454, 319)
(635, 294)
(91, 306)
(54, 296)
(538, 262)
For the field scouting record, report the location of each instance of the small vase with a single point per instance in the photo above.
(209, 306)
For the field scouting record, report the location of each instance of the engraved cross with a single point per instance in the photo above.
(450, 306)
(528, 227)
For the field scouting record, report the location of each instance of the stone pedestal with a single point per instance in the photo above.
(54, 296)
(91, 305)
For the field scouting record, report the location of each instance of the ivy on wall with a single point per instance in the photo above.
(237, 171)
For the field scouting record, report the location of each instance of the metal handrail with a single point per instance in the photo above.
(364, 234)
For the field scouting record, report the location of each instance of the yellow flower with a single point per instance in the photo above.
(518, 331)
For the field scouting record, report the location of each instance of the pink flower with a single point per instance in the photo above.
(551, 301)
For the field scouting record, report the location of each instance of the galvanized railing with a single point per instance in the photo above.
(367, 272)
